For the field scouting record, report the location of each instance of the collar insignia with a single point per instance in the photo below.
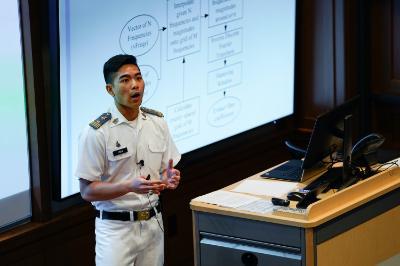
(101, 120)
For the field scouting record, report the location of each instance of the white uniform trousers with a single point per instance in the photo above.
(139, 243)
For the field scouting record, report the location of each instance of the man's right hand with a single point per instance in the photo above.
(142, 186)
(99, 190)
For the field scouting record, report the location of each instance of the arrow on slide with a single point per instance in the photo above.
(226, 26)
(224, 93)
(183, 78)
(205, 16)
(225, 62)
(161, 43)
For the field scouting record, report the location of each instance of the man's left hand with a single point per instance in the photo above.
(171, 176)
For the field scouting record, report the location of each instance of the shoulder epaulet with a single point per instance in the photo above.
(101, 120)
(151, 111)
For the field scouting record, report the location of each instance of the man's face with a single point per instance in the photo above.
(127, 87)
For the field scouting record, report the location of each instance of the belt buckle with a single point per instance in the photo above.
(143, 215)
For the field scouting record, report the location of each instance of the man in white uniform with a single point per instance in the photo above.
(126, 158)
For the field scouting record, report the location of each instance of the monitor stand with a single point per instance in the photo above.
(347, 179)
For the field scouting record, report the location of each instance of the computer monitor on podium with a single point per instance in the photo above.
(332, 136)
(330, 141)
(329, 134)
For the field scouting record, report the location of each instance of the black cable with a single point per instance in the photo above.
(141, 164)
(391, 164)
(332, 159)
(151, 206)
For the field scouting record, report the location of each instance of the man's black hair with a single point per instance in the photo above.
(114, 63)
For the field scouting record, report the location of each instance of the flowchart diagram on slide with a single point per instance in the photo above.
(210, 27)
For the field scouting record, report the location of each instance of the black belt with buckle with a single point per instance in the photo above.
(126, 216)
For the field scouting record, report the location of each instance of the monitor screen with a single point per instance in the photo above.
(328, 134)
(214, 68)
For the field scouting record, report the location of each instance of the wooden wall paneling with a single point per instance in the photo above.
(67, 239)
(329, 59)
(396, 40)
(304, 48)
(74, 246)
(30, 254)
(315, 84)
(384, 70)
(380, 39)
(339, 52)
(349, 52)
(385, 117)
(35, 260)
(395, 47)
(348, 18)
(327, 70)
(345, 39)
(363, 47)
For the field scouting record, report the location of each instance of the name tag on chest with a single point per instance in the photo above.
(120, 151)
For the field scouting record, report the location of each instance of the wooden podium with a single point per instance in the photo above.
(359, 225)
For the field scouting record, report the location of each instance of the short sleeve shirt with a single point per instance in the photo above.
(122, 149)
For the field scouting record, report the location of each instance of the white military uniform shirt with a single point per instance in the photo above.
(114, 151)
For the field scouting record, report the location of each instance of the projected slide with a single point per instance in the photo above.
(215, 68)
(14, 182)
